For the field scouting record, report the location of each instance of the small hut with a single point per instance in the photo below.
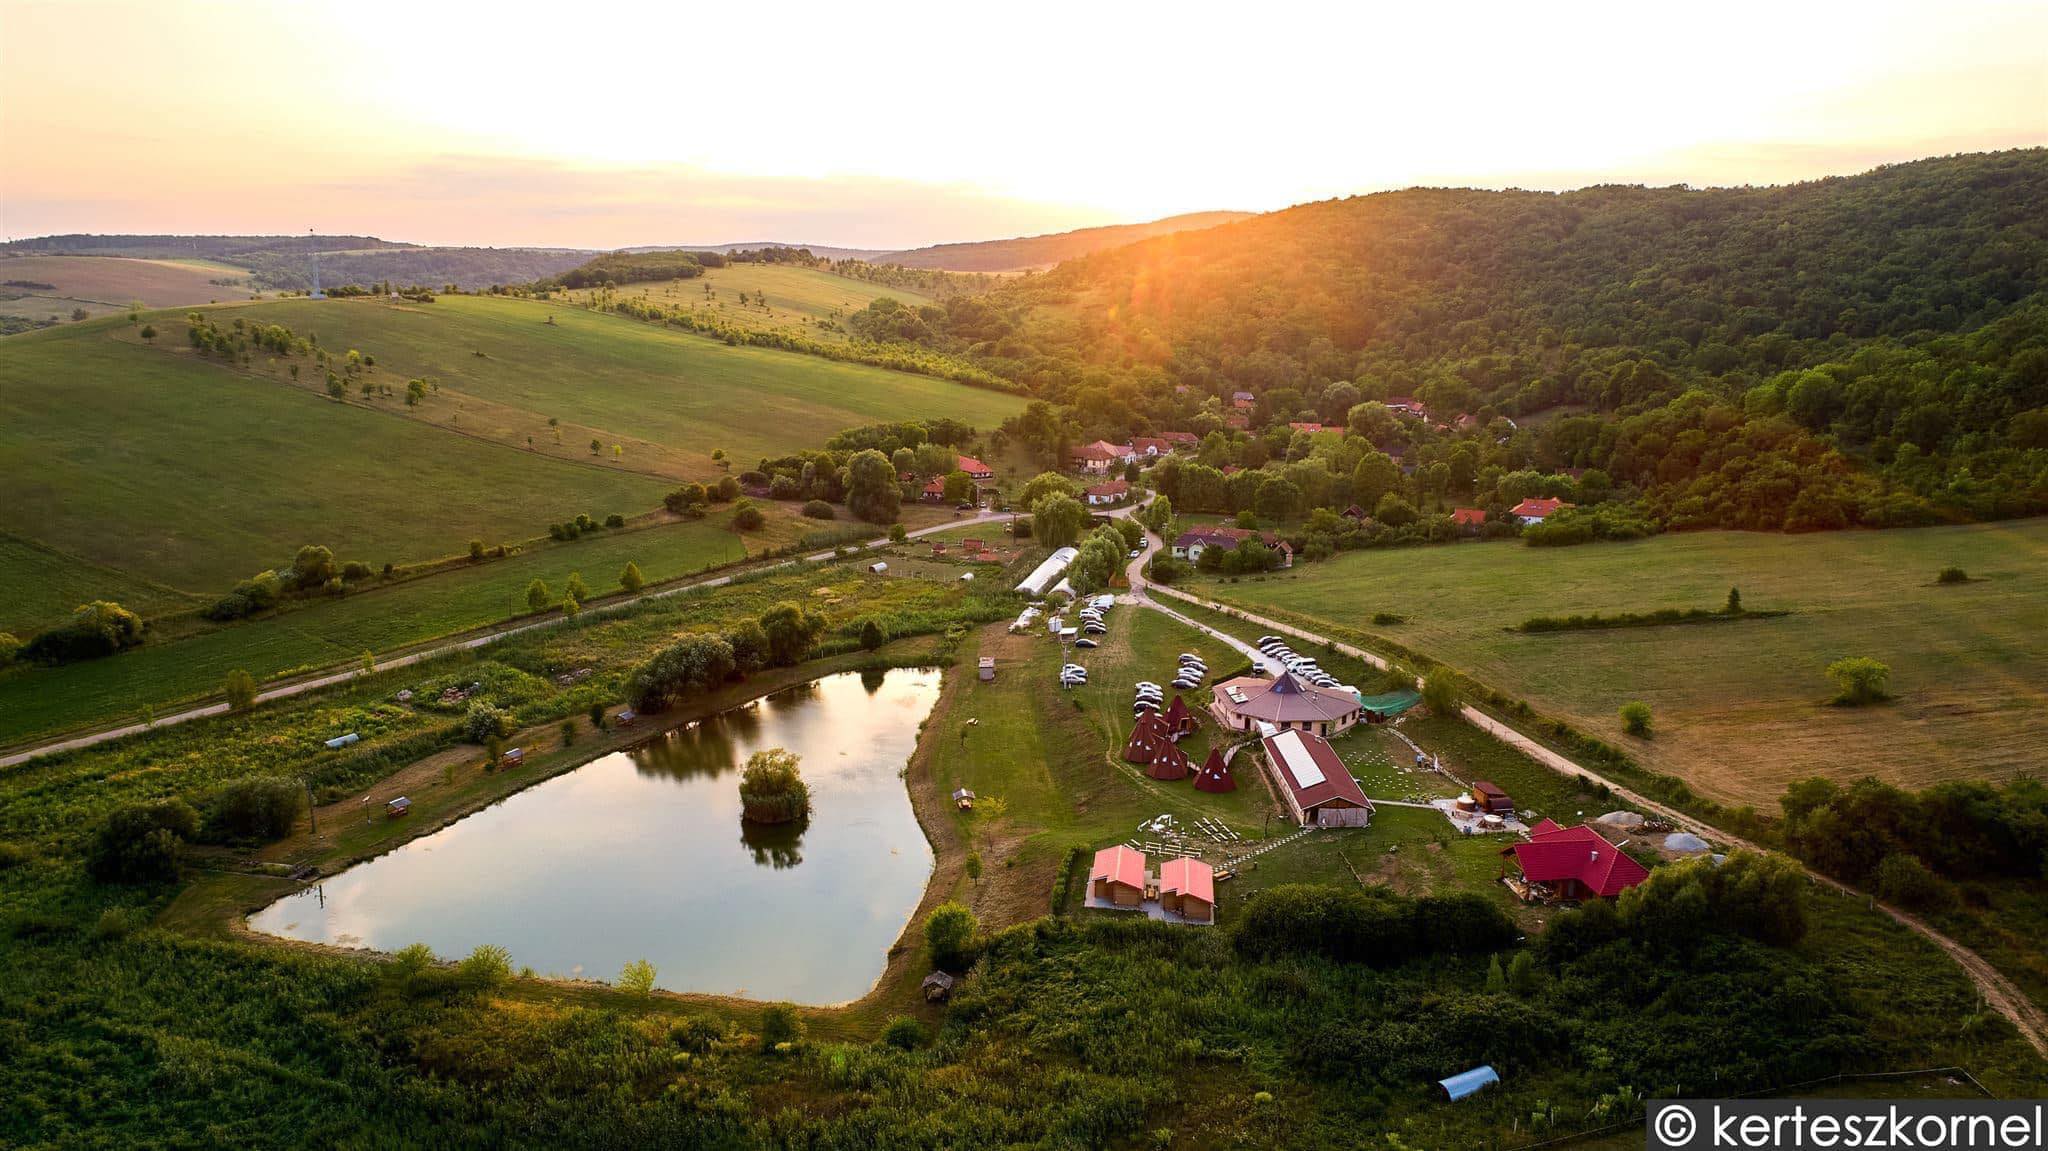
(398, 807)
(1215, 774)
(1180, 722)
(938, 987)
(1187, 887)
(963, 798)
(1118, 877)
(1147, 739)
(1170, 763)
(1490, 798)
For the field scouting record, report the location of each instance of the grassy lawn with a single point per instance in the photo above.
(1740, 707)
(178, 471)
(44, 585)
(778, 296)
(35, 701)
(666, 397)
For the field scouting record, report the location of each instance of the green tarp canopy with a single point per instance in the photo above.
(1391, 705)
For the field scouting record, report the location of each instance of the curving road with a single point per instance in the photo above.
(469, 643)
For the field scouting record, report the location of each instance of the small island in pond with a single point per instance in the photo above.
(772, 790)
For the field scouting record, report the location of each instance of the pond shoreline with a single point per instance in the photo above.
(219, 903)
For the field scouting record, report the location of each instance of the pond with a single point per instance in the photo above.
(642, 855)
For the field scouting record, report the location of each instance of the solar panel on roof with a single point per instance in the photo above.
(1300, 764)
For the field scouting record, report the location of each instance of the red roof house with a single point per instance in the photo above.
(1535, 511)
(1215, 774)
(1317, 786)
(1181, 439)
(1576, 862)
(1108, 493)
(1118, 876)
(1468, 517)
(981, 472)
(1150, 445)
(1187, 887)
(1311, 429)
(1284, 701)
(935, 491)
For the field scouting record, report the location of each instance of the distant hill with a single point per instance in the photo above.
(1045, 251)
(822, 251)
(284, 263)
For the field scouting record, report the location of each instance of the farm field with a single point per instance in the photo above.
(36, 701)
(778, 295)
(118, 282)
(667, 398)
(1741, 707)
(180, 472)
(44, 586)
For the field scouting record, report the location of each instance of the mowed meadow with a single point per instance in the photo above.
(1741, 708)
(505, 367)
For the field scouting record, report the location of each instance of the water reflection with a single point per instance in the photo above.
(633, 856)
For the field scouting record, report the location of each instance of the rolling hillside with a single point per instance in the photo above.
(1045, 251)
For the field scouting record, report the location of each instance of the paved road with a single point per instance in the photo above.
(469, 643)
(1998, 991)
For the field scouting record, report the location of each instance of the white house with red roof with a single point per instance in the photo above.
(1151, 447)
(1189, 545)
(977, 471)
(1536, 510)
(1315, 783)
(1468, 517)
(1112, 492)
(1101, 456)
(1575, 863)
(934, 492)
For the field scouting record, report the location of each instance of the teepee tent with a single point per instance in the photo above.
(1170, 763)
(1215, 776)
(1146, 739)
(1179, 720)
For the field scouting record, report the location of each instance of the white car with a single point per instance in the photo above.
(1136, 552)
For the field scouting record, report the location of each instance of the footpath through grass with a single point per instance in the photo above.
(1740, 710)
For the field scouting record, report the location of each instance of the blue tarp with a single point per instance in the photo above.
(1465, 1083)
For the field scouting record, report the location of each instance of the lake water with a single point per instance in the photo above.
(642, 855)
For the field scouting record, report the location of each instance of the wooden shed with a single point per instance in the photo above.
(987, 668)
(938, 987)
(1118, 876)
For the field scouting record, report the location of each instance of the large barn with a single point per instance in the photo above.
(1315, 783)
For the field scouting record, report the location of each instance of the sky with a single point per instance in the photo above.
(893, 126)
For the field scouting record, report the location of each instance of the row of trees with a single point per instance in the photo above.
(782, 637)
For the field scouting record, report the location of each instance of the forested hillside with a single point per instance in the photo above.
(1870, 349)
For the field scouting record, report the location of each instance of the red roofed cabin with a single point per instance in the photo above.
(1110, 492)
(1315, 783)
(1118, 876)
(1575, 863)
(977, 471)
(1468, 517)
(1187, 888)
(1150, 446)
(1100, 456)
(934, 492)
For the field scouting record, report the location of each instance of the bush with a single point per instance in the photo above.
(772, 789)
(261, 807)
(692, 664)
(817, 509)
(14, 855)
(1635, 718)
(630, 579)
(871, 634)
(240, 689)
(99, 628)
(1440, 693)
(1376, 927)
(1952, 575)
(140, 843)
(615, 520)
(747, 518)
(488, 967)
(780, 1024)
(484, 723)
(905, 1033)
(637, 977)
(1902, 879)
(950, 931)
(1859, 680)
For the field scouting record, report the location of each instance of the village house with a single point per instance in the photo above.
(1312, 429)
(1471, 519)
(1243, 401)
(977, 471)
(934, 492)
(1113, 492)
(1190, 544)
(1100, 457)
(1286, 702)
(1237, 422)
(1574, 863)
(1187, 888)
(1535, 511)
(1118, 877)
(1151, 447)
(1357, 515)
(1314, 782)
(1408, 406)
(1181, 441)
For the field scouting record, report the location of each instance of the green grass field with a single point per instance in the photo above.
(36, 701)
(666, 397)
(180, 472)
(1740, 708)
(45, 585)
(778, 296)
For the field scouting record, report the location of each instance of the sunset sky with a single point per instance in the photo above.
(605, 125)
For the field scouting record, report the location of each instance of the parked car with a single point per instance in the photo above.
(1084, 641)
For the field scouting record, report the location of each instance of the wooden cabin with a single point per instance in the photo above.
(1187, 888)
(1118, 877)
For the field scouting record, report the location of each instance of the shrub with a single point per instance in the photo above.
(14, 854)
(240, 689)
(260, 807)
(597, 716)
(139, 843)
(950, 931)
(1376, 927)
(692, 664)
(780, 1025)
(695, 1034)
(538, 598)
(99, 628)
(905, 1033)
(1859, 680)
(9, 648)
(637, 977)
(476, 550)
(747, 518)
(1440, 692)
(1635, 718)
(792, 630)
(1952, 575)
(631, 579)
(772, 789)
(870, 634)
(488, 967)
(568, 730)
(484, 723)
(615, 520)
(816, 509)
(1902, 879)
